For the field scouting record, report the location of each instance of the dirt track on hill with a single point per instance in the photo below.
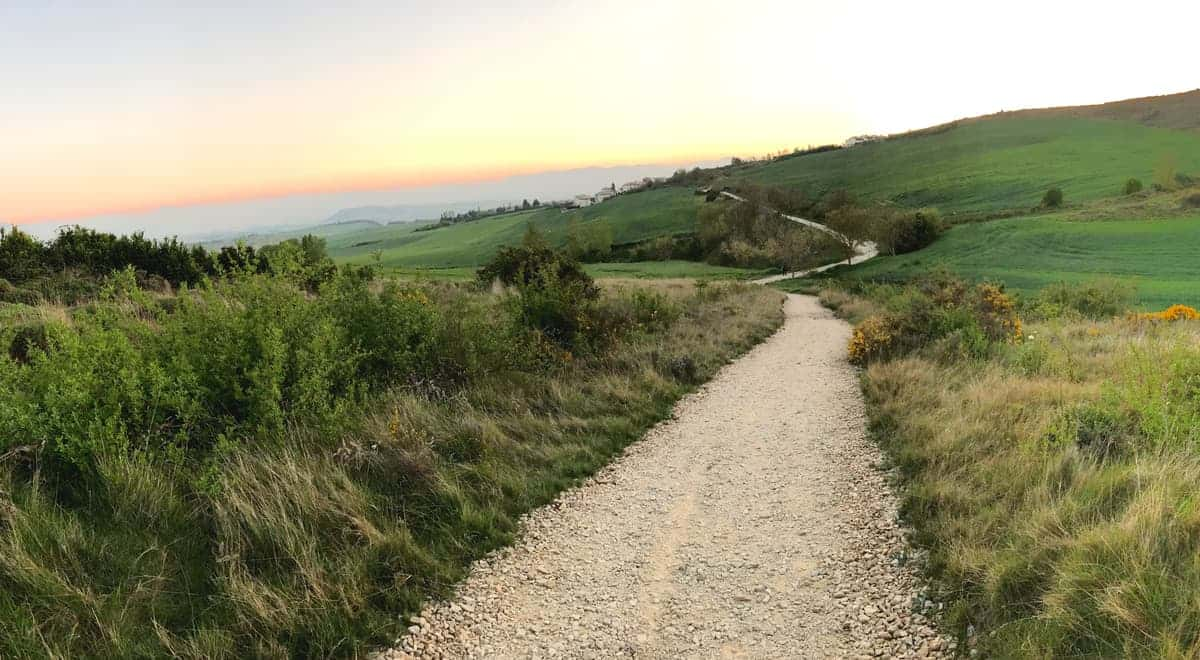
(752, 525)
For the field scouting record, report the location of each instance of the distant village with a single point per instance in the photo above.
(610, 191)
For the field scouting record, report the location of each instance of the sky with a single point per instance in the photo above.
(109, 107)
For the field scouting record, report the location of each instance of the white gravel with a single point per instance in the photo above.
(755, 524)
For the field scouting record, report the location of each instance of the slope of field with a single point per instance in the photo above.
(990, 165)
(1181, 111)
(1026, 254)
(631, 217)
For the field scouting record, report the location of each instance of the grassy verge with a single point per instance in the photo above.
(1052, 479)
(311, 521)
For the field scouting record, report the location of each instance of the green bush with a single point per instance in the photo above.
(1132, 187)
(940, 312)
(1095, 299)
(909, 232)
(535, 264)
(1053, 198)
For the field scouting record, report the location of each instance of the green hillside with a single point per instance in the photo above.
(1026, 254)
(990, 164)
(631, 217)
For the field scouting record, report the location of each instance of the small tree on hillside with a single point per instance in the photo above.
(1133, 186)
(1053, 198)
(854, 226)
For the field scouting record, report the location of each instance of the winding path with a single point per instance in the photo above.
(862, 251)
(751, 525)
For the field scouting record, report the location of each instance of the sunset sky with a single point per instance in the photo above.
(108, 106)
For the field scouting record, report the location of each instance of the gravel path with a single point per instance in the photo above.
(754, 524)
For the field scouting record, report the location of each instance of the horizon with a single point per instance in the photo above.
(135, 110)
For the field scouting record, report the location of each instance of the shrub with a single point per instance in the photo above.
(909, 232)
(533, 265)
(1132, 186)
(997, 314)
(871, 340)
(1191, 201)
(1053, 198)
(390, 334)
(1172, 313)
(1095, 299)
(967, 322)
(1096, 428)
(563, 312)
(15, 296)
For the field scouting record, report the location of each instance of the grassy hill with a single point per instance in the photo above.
(1026, 254)
(990, 165)
(1180, 111)
(631, 217)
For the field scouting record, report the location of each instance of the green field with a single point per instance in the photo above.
(990, 165)
(691, 270)
(1029, 253)
(631, 217)
(672, 269)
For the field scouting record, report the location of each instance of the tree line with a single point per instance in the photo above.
(24, 258)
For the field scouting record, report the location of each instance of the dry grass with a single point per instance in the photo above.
(1054, 486)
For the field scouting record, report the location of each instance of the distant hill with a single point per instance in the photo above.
(408, 212)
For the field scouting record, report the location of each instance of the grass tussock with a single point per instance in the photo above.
(211, 533)
(1053, 482)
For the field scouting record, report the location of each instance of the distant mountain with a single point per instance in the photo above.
(408, 212)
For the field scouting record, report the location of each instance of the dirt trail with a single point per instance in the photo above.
(752, 525)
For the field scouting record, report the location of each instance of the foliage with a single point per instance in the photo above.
(963, 320)
(1053, 198)
(751, 234)
(900, 233)
(1172, 313)
(535, 264)
(248, 469)
(870, 340)
(84, 253)
(1097, 298)
(854, 224)
(590, 242)
(1132, 187)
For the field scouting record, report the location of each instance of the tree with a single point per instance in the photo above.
(854, 226)
(1053, 198)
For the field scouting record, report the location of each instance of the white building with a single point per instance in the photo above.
(861, 139)
(582, 200)
(606, 193)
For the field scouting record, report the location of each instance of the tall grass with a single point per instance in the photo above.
(311, 534)
(1053, 482)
